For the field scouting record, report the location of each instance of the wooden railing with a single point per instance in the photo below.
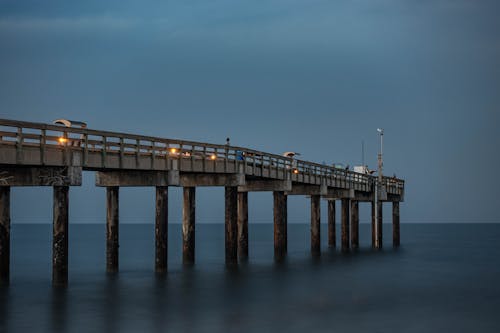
(44, 136)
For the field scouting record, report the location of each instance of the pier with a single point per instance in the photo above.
(37, 154)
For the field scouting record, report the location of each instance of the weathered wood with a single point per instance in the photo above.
(379, 222)
(331, 224)
(123, 178)
(265, 185)
(40, 176)
(161, 229)
(345, 225)
(188, 225)
(112, 228)
(231, 224)
(211, 179)
(395, 224)
(280, 222)
(354, 224)
(315, 225)
(60, 236)
(4, 234)
(243, 225)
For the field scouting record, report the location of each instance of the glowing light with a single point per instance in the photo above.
(213, 157)
(62, 140)
(295, 171)
(173, 150)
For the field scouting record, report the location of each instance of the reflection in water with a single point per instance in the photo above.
(59, 309)
(363, 291)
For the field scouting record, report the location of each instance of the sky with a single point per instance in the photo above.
(316, 77)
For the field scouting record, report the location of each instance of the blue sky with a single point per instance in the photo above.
(316, 77)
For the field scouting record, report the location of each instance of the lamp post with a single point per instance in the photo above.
(378, 192)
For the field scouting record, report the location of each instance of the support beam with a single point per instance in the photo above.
(331, 224)
(188, 225)
(112, 207)
(40, 176)
(280, 215)
(354, 224)
(345, 225)
(395, 224)
(60, 236)
(4, 234)
(378, 235)
(231, 224)
(161, 229)
(315, 225)
(243, 225)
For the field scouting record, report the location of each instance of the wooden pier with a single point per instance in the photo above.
(35, 154)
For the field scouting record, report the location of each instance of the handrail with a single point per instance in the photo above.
(160, 146)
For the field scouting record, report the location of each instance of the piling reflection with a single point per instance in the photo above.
(59, 310)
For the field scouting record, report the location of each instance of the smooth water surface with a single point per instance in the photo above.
(444, 278)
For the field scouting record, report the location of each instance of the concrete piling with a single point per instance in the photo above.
(315, 225)
(60, 236)
(345, 225)
(373, 223)
(243, 225)
(354, 224)
(4, 234)
(161, 229)
(280, 214)
(188, 225)
(112, 228)
(378, 236)
(395, 224)
(331, 224)
(231, 224)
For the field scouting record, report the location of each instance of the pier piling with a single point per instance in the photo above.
(4, 234)
(315, 225)
(345, 225)
(243, 225)
(161, 229)
(331, 224)
(395, 224)
(112, 228)
(354, 224)
(280, 208)
(379, 222)
(60, 236)
(188, 225)
(231, 224)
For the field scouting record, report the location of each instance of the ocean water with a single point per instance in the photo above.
(444, 278)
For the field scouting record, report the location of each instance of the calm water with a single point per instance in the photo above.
(445, 278)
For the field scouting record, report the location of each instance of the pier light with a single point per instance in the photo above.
(295, 171)
(62, 140)
(213, 157)
(173, 150)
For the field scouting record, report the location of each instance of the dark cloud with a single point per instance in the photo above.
(312, 76)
